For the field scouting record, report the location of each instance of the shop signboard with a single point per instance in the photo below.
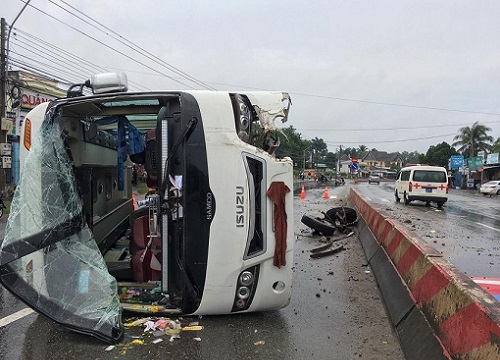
(475, 163)
(492, 159)
(30, 99)
(456, 161)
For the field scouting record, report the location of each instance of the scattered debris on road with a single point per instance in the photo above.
(328, 249)
(338, 219)
(156, 328)
(331, 251)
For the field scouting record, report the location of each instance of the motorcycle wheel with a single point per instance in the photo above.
(321, 226)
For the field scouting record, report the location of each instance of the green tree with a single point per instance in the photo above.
(410, 157)
(351, 151)
(496, 146)
(319, 149)
(294, 146)
(473, 138)
(362, 150)
(438, 155)
(331, 160)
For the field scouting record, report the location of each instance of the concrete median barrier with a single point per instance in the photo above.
(437, 311)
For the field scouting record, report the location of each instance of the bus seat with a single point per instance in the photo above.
(146, 265)
(140, 232)
(146, 258)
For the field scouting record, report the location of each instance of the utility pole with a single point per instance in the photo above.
(3, 76)
(3, 84)
(4, 73)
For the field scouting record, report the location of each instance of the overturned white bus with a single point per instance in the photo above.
(215, 235)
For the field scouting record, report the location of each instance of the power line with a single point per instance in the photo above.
(110, 47)
(54, 61)
(132, 45)
(396, 128)
(53, 53)
(47, 73)
(236, 86)
(396, 104)
(38, 71)
(388, 141)
(55, 49)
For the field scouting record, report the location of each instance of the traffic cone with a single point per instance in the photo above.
(325, 195)
(303, 193)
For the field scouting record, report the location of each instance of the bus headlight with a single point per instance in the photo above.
(246, 286)
(243, 292)
(246, 278)
(243, 117)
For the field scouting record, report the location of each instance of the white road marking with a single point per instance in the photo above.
(488, 282)
(385, 200)
(16, 316)
(460, 216)
(489, 227)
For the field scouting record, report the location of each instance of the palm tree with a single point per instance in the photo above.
(496, 146)
(362, 150)
(473, 138)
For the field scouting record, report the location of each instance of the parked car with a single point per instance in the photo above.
(374, 179)
(490, 188)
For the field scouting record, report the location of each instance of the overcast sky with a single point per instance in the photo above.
(391, 75)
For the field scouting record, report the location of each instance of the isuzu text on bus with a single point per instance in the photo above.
(215, 234)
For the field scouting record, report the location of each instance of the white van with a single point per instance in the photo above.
(424, 183)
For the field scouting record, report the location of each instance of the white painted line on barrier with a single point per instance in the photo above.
(488, 282)
(489, 227)
(16, 316)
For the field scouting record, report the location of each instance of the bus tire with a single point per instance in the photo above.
(318, 225)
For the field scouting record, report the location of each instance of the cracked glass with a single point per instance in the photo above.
(49, 257)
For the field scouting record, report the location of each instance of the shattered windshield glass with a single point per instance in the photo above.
(49, 257)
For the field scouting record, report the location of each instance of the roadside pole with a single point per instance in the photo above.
(3, 83)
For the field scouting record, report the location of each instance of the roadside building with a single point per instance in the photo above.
(491, 170)
(382, 163)
(25, 91)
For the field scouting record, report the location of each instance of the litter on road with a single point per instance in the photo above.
(331, 251)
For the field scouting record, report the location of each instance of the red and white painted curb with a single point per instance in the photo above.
(464, 317)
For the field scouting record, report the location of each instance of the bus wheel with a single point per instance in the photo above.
(321, 226)
(440, 204)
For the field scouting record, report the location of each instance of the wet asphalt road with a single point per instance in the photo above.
(336, 312)
(466, 230)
